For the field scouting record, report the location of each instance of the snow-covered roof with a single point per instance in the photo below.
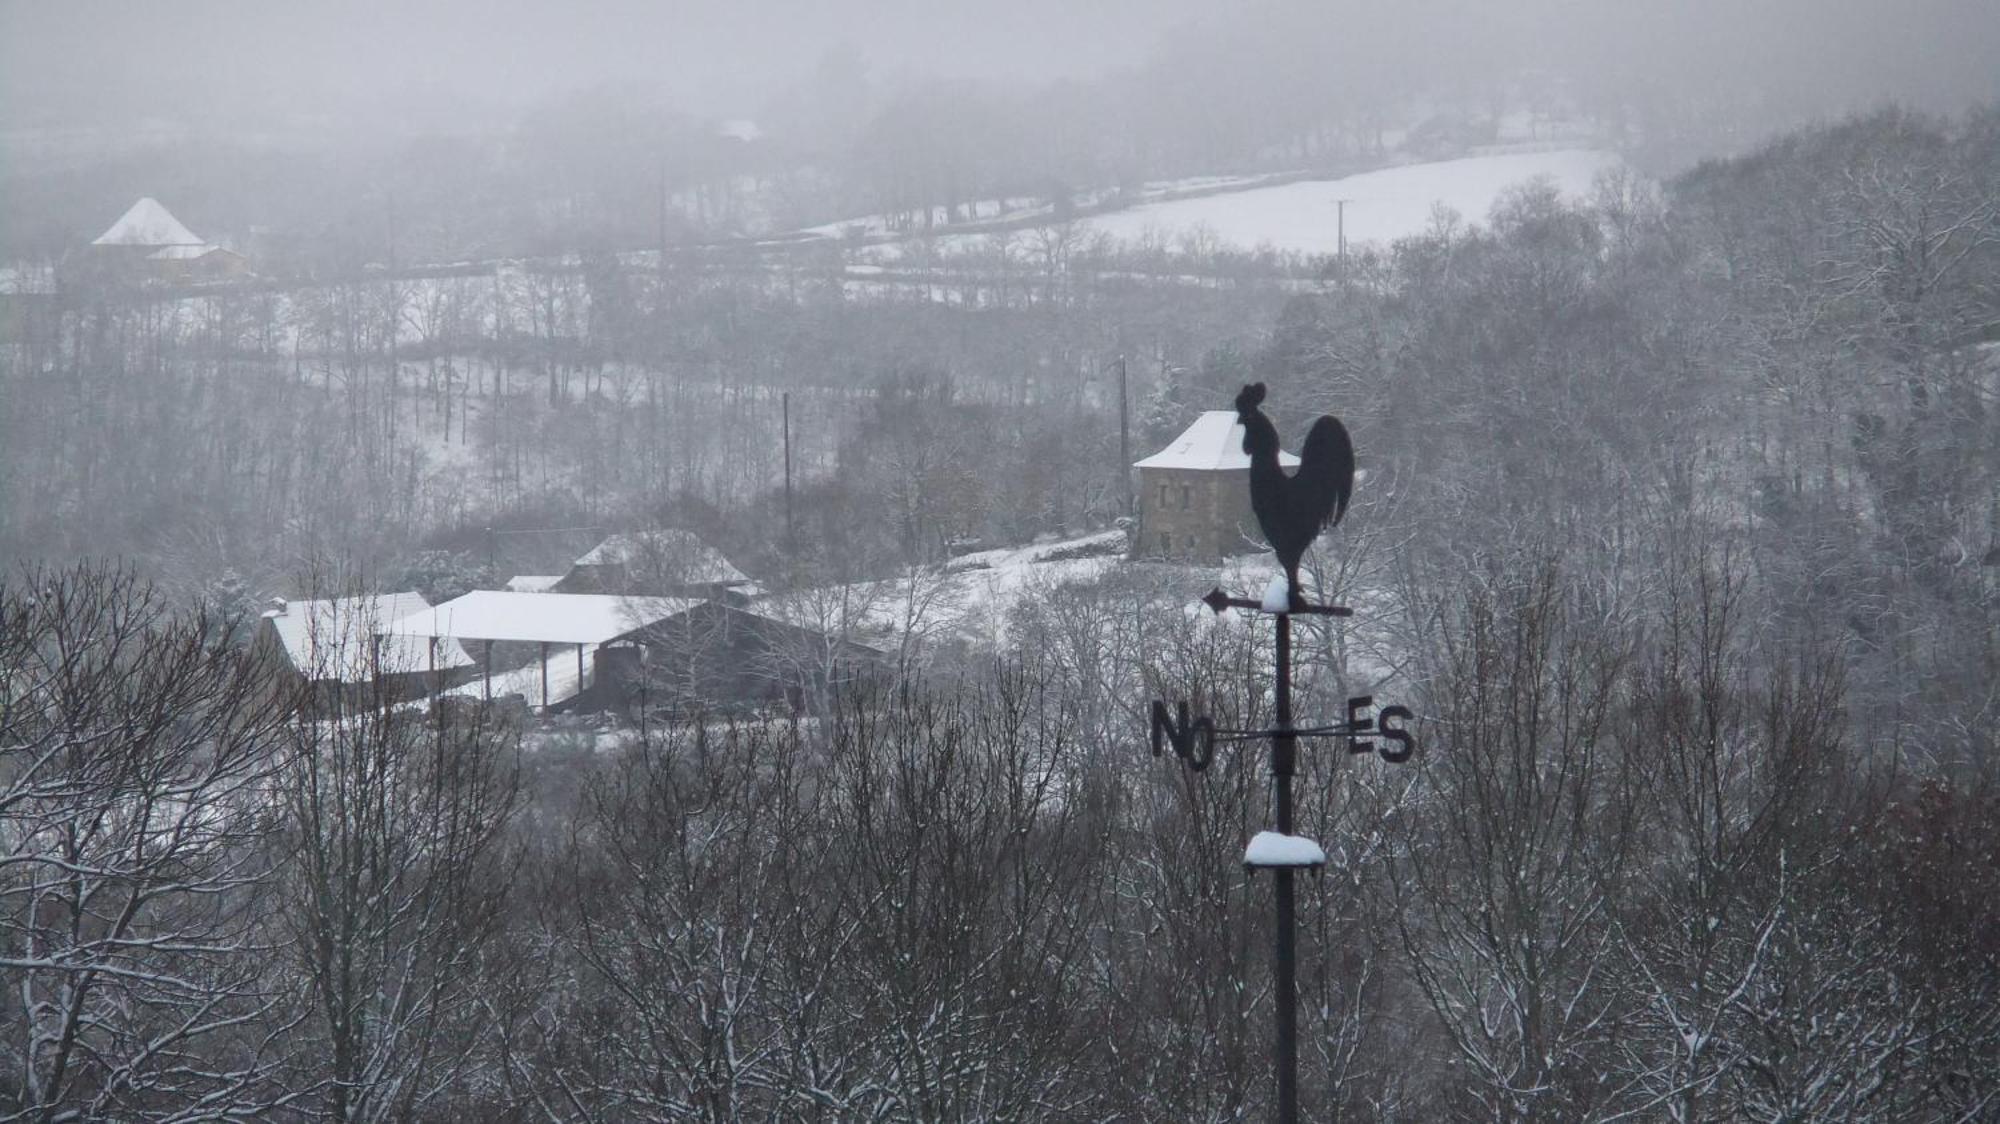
(332, 638)
(147, 223)
(672, 552)
(532, 583)
(555, 618)
(1214, 443)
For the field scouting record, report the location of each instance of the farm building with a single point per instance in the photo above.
(149, 245)
(554, 635)
(662, 563)
(337, 648)
(721, 656)
(597, 652)
(1194, 495)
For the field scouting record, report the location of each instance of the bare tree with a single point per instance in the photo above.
(134, 741)
(1503, 880)
(395, 822)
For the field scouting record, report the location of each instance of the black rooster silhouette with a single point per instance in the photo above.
(1294, 509)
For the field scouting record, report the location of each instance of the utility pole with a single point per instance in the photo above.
(1124, 436)
(1340, 228)
(785, 403)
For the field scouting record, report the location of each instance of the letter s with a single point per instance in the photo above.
(1394, 733)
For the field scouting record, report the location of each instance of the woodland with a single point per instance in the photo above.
(1678, 529)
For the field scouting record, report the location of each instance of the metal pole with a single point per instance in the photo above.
(1284, 756)
(1340, 238)
(785, 401)
(1124, 437)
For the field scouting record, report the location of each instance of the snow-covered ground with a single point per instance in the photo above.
(1382, 205)
(1300, 216)
(563, 679)
(932, 604)
(972, 598)
(992, 212)
(1102, 543)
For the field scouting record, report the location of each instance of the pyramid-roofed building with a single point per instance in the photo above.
(1194, 494)
(147, 223)
(149, 245)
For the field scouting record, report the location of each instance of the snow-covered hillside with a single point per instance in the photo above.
(1382, 205)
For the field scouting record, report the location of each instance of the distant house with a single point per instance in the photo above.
(338, 647)
(1194, 495)
(663, 563)
(149, 245)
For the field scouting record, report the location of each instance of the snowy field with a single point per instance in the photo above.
(1382, 206)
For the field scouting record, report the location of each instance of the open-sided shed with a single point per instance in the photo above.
(578, 620)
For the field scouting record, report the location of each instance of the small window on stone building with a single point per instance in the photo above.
(1187, 497)
(1166, 543)
(1163, 495)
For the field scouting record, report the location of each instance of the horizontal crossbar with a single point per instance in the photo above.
(1218, 601)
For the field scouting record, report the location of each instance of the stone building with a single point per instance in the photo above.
(1194, 495)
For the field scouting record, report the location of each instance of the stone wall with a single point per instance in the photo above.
(1191, 514)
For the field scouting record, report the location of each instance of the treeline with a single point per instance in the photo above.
(1787, 358)
(1648, 865)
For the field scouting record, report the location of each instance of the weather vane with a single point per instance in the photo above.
(1292, 511)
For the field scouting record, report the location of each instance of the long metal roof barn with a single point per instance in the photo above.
(551, 618)
(334, 638)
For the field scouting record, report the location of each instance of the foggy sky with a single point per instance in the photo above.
(298, 73)
(87, 59)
